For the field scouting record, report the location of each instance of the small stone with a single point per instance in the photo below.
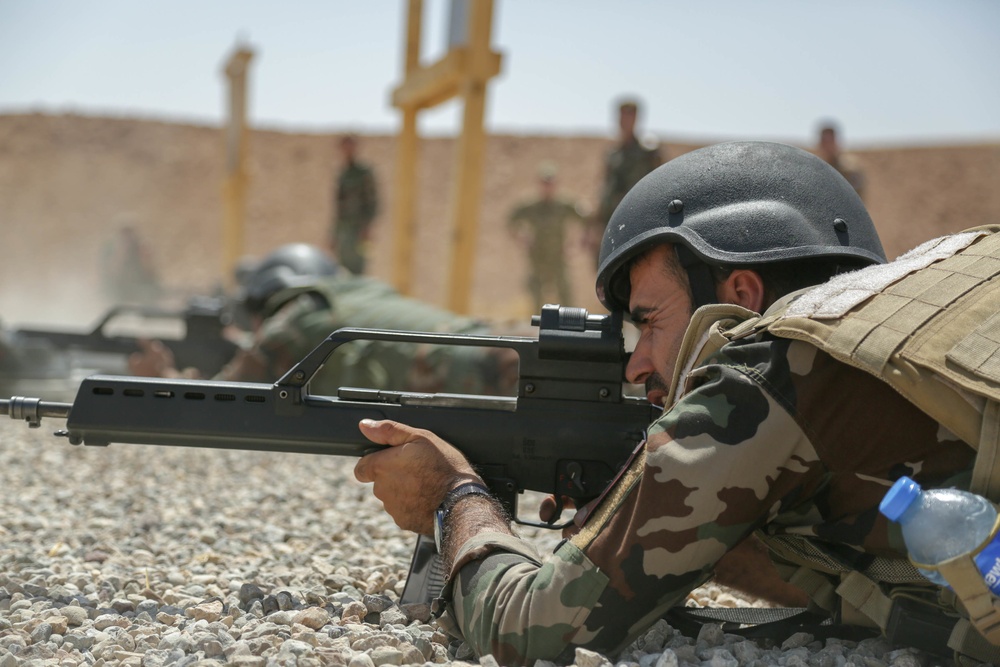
(685, 650)
(35, 591)
(78, 642)
(904, 657)
(417, 611)
(59, 624)
(355, 609)
(263, 630)
(256, 609)
(249, 593)
(175, 641)
(210, 611)
(96, 556)
(371, 642)
(746, 652)
(361, 660)
(386, 655)
(269, 605)
(721, 658)
(711, 635)
(414, 656)
(147, 607)
(488, 661)
(41, 634)
(247, 661)
(376, 604)
(8, 660)
(281, 618)
(167, 619)
(667, 659)
(285, 601)
(586, 658)
(122, 606)
(798, 640)
(313, 617)
(105, 621)
(211, 646)
(392, 616)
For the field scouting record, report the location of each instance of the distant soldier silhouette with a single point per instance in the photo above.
(540, 225)
(355, 206)
(625, 166)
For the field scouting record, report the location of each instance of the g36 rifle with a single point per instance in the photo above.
(567, 432)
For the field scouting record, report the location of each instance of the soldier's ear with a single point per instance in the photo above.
(743, 287)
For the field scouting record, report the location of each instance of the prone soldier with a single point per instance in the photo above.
(298, 295)
(763, 432)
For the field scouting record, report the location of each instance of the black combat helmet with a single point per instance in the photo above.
(292, 265)
(740, 204)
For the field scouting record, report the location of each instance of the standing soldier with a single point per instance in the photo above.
(828, 148)
(540, 225)
(356, 205)
(624, 167)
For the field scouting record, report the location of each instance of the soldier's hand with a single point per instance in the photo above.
(547, 509)
(153, 359)
(413, 475)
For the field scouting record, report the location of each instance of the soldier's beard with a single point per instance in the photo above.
(656, 382)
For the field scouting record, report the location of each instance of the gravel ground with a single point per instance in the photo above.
(152, 556)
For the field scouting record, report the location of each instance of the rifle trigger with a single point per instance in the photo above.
(575, 472)
(556, 513)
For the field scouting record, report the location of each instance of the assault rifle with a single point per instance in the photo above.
(567, 432)
(193, 334)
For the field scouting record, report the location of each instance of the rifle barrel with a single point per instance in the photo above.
(32, 410)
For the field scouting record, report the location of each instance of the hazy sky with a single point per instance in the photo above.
(890, 71)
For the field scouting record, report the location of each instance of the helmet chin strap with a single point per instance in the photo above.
(699, 277)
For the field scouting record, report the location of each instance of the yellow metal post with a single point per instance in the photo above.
(470, 156)
(234, 187)
(404, 210)
(463, 71)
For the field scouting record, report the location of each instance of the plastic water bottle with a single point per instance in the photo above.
(939, 524)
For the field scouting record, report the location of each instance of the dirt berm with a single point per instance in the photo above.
(67, 182)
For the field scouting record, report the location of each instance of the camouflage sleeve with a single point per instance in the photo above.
(719, 464)
(289, 334)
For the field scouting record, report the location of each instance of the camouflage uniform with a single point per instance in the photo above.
(625, 166)
(356, 205)
(769, 434)
(546, 221)
(300, 319)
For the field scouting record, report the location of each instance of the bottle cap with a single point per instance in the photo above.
(899, 498)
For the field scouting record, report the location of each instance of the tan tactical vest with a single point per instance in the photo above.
(928, 324)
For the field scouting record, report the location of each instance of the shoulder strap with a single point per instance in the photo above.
(704, 337)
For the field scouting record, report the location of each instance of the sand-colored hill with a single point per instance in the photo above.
(68, 182)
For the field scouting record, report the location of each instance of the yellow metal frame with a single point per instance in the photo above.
(463, 72)
(235, 185)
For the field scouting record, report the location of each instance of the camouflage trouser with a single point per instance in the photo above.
(349, 246)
